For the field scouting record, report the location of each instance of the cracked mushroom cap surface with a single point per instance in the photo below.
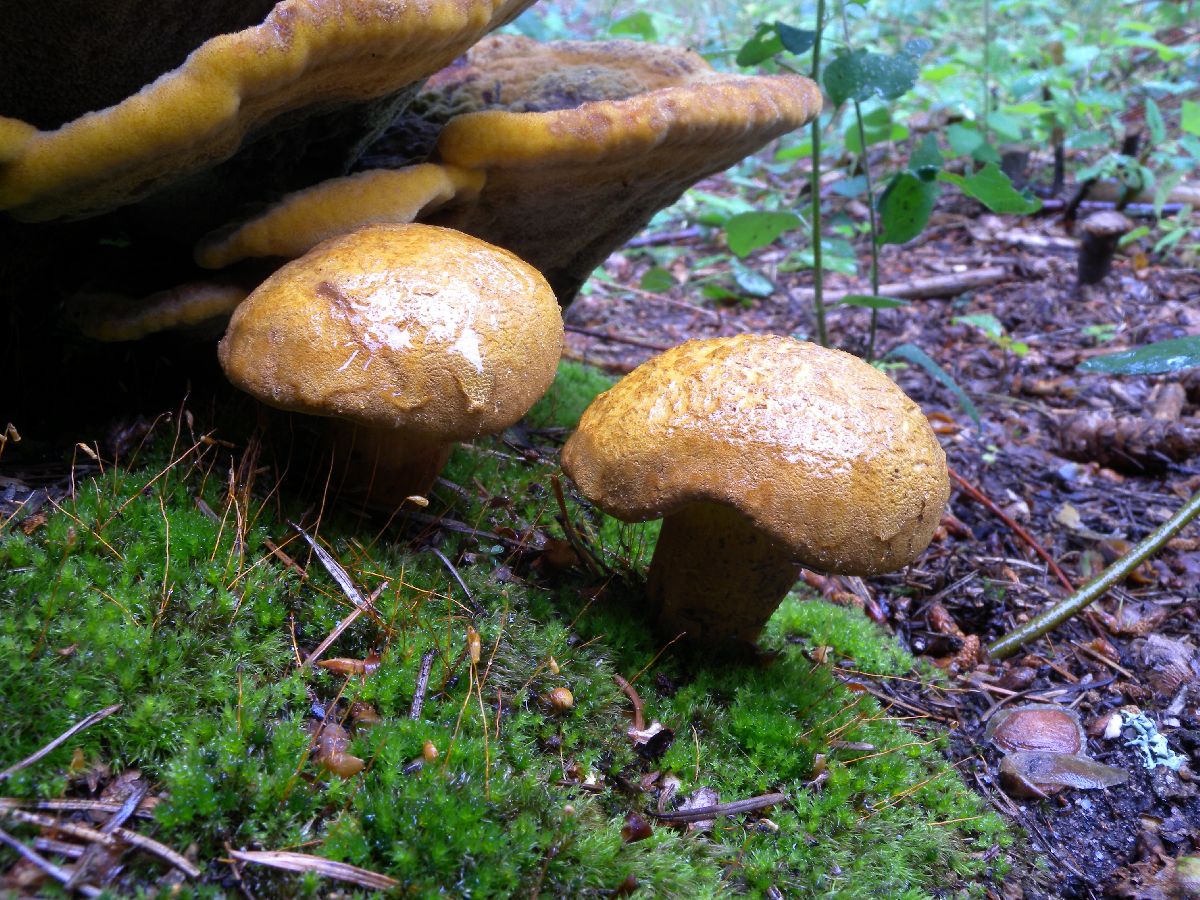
(306, 55)
(400, 326)
(820, 450)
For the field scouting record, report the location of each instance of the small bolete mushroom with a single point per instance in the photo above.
(760, 453)
(1100, 234)
(412, 337)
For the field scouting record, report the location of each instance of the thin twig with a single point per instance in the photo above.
(720, 809)
(146, 809)
(1098, 586)
(58, 873)
(334, 568)
(654, 659)
(639, 721)
(618, 339)
(981, 498)
(462, 528)
(59, 848)
(1101, 658)
(665, 237)
(418, 702)
(79, 726)
(343, 625)
(479, 610)
(342, 577)
(328, 868)
(115, 821)
(573, 537)
(85, 833)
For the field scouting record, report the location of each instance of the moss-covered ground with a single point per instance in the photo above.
(133, 593)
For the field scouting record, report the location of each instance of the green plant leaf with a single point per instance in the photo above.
(850, 187)
(1154, 121)
(764, 44)
(1007, 128)
(986, 153)
(751, 282)
(795, 40)
(963, 138)
(657, 280)
(914, 354)
(941, 72)
(723, 294)
(860, 74)
(747, 232)
(926, 159)
(639, 25)
(1150, 359)
(871, 301)
(985, 322)
(993, 189)
(1136, 235)
(878, 127)
(1165, 52)
(1189, 119)
(802, 150)
(905, 207)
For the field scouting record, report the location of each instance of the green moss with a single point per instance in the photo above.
(132, 595)
(574, 388)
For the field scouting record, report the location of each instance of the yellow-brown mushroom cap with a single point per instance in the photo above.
(400, 326)
(306, 54)
(567, 185)
(572, 102)
(822, 452)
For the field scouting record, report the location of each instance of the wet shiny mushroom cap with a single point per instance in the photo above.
(402, 327)
(819, 450)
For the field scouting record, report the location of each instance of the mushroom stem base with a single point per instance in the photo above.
(717, 577)
(377, 466)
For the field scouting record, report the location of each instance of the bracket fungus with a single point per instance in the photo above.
(410, 337)
(760, 453)
(575, 145)
(305, 57)
(300, 221)
(116, 317)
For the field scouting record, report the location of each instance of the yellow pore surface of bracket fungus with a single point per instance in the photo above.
(307, 53)
(577, 145)
(303, 219)
(115, 317)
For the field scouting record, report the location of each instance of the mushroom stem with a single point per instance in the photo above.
(379, 465)
(717, 576)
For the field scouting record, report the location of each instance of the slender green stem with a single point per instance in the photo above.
(866, 168)
(987, 65)
(818, 270)
(1098, 586)
(865, 162)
